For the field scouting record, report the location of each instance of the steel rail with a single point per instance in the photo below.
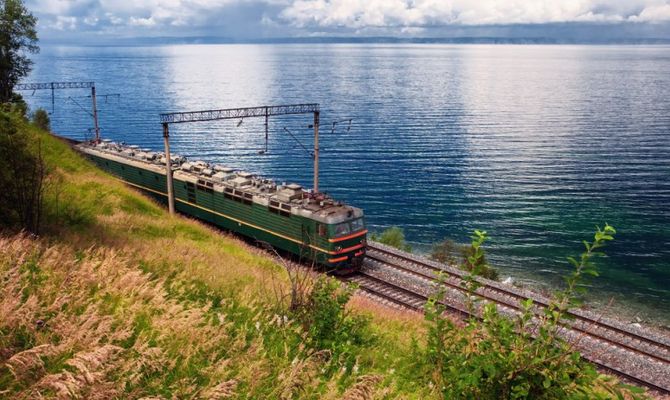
(374, 289)
(505, 292)
(604, 366)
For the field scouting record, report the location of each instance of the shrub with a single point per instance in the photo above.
(448, 252)
(474, 259)
(318, 304)
(328, 324)
(16, 105)
(471, 257)
(41, 119)
(523, 357)
(394, 237)
(22, 175)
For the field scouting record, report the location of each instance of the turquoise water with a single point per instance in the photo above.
(535, 144)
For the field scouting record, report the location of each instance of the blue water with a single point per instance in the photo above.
(535, 144)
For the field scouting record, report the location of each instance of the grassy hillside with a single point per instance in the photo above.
(118, 300)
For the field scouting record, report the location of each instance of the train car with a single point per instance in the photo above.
(312, 226)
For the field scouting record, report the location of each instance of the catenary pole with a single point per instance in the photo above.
(168, 168)
(316, 151)
(95, 115)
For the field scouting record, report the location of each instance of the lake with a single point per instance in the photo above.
(534, 144)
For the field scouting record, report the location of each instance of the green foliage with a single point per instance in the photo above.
(467, 257)
(41, 119)
(497, 357)
(16, 105)
(18, 36)
(475, 260)
(187, 324)
(328, 324)
(448, 252)
(22, 175)
(394, 237)
(194, 318)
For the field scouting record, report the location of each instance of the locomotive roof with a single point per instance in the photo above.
(286, 198)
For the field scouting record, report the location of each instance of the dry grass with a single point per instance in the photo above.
(86, 303)
(24, 362)
(119, 300)
(364, 389)
(100, 326)
(223, 390)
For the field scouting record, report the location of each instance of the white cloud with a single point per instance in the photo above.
(136, 13)
(417, 13)
(404, 17)
(65, 23)
(141, 21)
(656, 13)
(91, 20)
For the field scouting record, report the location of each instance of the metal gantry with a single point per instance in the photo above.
(66, 85)
(237, 113)
(54, 85)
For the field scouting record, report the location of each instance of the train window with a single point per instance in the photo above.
(279, 211)
(323, 232)
(357, 224)
(205, 189)
(342, 229)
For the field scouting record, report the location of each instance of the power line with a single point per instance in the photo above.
(66, 85)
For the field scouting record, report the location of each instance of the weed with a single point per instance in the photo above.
(394, 237)
(524, 357)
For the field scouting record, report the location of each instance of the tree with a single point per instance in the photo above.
(18, 36)
(22, 175)
(41, 119)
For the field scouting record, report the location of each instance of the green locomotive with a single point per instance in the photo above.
(311, 226)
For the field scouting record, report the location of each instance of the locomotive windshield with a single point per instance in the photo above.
(348, 227)
(357, 224)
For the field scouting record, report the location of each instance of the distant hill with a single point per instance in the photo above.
(172, 40)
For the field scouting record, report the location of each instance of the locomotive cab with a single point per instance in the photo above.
(346, 242)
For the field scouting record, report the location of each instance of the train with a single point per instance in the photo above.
(310, 226)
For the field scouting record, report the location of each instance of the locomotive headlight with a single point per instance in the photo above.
(338, 248)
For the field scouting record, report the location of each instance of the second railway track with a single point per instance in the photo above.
(636, 356)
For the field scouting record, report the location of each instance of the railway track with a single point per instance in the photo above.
(635, 356)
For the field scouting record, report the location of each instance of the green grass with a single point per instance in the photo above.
(137, 303)
(192, 310)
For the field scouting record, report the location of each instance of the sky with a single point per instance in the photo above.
(79, 21)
